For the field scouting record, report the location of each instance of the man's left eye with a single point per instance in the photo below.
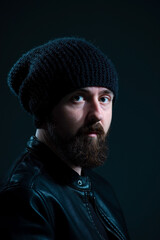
(105, 99)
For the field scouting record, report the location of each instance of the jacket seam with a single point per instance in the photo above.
(91, 218)
(16, 166)
(114, 227)
(44, 201)
(110, 223)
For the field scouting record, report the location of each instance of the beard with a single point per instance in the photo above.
(81, 150)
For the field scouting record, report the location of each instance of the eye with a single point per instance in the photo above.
(105, 99)
(77, 98)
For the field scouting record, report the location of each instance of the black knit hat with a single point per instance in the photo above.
(45, 74)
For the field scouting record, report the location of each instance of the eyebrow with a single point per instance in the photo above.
(104, 91)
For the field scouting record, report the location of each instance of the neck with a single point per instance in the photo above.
(42, 136)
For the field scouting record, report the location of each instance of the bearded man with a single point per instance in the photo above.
(69, 87)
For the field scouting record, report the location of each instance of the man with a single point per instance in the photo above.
(69, 86)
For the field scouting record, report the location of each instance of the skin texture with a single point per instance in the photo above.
(84, 107)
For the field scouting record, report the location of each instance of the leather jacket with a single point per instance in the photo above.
(45, 199)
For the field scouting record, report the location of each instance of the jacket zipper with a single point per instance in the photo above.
(110, 227)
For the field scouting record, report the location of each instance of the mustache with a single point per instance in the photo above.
(94, 128)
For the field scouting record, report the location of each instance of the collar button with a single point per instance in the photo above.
(80, 182)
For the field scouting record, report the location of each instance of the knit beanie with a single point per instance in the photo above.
(45, 74)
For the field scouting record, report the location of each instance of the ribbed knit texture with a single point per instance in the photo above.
(45, 74)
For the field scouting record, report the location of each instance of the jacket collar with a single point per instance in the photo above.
(56, 167)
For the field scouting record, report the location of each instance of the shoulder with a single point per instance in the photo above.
(23, 172)
(29, 180)
(22, 194)
(19, 184)
(21, 181)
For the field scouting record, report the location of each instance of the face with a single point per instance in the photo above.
(81, 121)
(81, 108)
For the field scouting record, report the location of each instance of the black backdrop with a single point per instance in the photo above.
(129, 33)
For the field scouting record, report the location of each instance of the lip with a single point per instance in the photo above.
(92, 134)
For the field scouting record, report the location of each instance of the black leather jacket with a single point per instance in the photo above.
(45, 199)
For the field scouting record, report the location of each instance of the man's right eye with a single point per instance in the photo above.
(77, 98)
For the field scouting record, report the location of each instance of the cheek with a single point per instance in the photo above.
(68, 121)
(107, 121)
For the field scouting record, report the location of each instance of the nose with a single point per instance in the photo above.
(94, 113)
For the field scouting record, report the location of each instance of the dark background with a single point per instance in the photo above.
(129, 33)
